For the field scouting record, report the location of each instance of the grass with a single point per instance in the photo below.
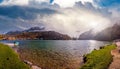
(9, 59)
(99, 59)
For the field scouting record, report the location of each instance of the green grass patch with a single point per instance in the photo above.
(9, 59)
(99, 59)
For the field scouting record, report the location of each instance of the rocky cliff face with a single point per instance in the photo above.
(107, 34)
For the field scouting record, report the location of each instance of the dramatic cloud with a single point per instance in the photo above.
(20, 18)
(15, 2)
(76, 22)
(70, 3)
(62, 3)
(82, 15)
(112, 6)
(73, 23)
(24, 12)
(8, 24)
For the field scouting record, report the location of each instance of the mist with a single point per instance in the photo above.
(74, 21)
(71, 20)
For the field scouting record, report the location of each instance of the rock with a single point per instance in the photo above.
(31, 65)
(27, 62)
(35, 67)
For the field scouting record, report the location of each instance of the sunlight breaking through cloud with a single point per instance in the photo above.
(76, 22)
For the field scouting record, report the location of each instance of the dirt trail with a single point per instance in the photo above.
(116, 59)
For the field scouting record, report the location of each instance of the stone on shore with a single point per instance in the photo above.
(35, 67)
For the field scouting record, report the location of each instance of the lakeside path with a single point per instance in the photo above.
(116, 59)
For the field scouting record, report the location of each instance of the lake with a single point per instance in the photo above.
(56, 54)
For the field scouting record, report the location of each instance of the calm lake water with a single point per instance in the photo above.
(57, 54)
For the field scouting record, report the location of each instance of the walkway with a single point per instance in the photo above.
(116, 59)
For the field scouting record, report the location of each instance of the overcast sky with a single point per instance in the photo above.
(71, 17)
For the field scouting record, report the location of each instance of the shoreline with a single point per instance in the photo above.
(15, 48)
(115, 64)
(30, 64)
(10, 59)
(96, 60)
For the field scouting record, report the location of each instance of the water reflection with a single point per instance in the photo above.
(92, 43)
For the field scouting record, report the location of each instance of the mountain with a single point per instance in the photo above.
(33, 29)
(13, 32)
(36, 33)
(107, 34)
(89, 35)
(110, 33)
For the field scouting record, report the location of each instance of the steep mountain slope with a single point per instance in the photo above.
(107, 34)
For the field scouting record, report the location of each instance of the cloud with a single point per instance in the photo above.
(20, 18)
(23, 2)
(90, 7)
(24, 12)
(72, 21)
(43, 5)
(112, 6)
(15, 2)
(62, 3)
(8, 24)
(70, 3)
(76, 22)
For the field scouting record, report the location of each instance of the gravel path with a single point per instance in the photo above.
(116, 59)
